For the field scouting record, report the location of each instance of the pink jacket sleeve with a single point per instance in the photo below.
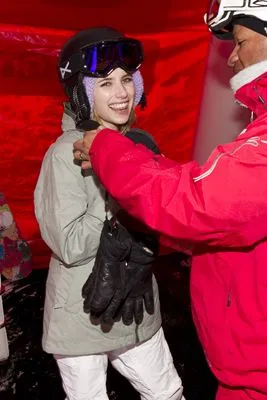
(223, 203)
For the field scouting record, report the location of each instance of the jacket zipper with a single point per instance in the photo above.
(229, 298)
(229, 293)
(137, 334)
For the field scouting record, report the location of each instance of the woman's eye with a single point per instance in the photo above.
(128, 79)
(105, 84)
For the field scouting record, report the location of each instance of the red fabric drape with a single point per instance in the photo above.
(175, 41)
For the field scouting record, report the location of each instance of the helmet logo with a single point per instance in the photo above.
(258, 3)
(64, 70)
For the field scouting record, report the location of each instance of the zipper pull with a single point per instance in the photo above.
(228, 300)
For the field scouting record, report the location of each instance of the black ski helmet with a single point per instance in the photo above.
(71, 72)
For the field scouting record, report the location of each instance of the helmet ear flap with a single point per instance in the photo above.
(78, 99)
(143, 101)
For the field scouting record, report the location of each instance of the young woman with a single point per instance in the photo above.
(99, 69)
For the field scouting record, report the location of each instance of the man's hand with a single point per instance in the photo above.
(82, 147)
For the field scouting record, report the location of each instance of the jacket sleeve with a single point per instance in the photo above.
(65, 209)
(222, 203)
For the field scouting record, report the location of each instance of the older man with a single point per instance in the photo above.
(218, 209)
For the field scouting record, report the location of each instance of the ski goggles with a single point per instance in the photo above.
(99, 59)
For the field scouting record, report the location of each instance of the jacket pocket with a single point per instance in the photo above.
(75, 278)
(64, 285)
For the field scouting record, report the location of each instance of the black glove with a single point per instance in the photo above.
(103, 287)
(139, 273)
(122, 276)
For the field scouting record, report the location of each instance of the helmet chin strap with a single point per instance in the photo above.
(87, 125)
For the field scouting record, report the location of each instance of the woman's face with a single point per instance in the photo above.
(114, 98)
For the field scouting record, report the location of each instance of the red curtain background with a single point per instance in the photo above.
(175, 41)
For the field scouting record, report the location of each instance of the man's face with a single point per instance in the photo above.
(250, 48)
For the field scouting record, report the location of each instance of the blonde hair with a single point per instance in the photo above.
(121, 128)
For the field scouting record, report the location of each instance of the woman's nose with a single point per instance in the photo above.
(120, 90)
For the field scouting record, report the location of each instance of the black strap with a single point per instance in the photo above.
(107, 209)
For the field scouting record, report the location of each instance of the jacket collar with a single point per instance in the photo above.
(250, 88)
(68, 119)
